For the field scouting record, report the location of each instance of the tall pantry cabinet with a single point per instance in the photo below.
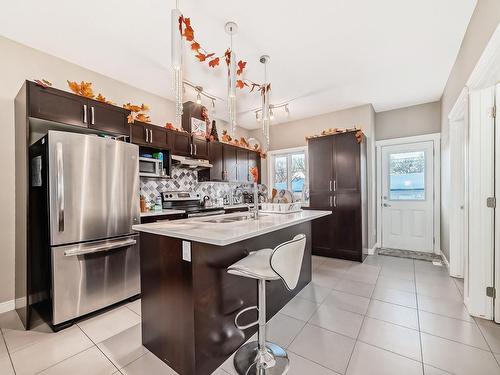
(337, 183)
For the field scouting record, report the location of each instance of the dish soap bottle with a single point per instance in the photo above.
(158, 203)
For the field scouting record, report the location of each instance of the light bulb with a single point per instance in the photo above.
(271, 115)
(198, 98)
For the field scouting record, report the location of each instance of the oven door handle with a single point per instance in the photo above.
(82, 250)
(202, 214)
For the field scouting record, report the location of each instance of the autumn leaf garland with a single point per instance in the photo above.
(203, 55)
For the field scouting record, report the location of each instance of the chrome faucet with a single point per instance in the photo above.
(255, 212)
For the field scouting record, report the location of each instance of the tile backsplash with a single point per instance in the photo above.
(187, 180)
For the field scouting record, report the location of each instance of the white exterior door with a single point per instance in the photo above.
(408, 196)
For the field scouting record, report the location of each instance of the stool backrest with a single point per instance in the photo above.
(286, 260)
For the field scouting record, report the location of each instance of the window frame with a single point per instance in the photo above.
(286, 152)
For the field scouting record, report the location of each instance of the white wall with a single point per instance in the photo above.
(18, 63)
(483, 23)
(409, 121)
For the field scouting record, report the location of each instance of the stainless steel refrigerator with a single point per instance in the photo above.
(84, 199)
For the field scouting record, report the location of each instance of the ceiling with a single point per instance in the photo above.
(326, 55)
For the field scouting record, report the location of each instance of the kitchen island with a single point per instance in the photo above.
(189, 301)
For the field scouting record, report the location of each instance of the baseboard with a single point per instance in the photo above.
(445, 261)
(372, 250)
(7, 306)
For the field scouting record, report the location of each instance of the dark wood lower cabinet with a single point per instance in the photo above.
(188, 308)
(337, 166)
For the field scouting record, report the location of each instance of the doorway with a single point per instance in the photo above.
(408, 193)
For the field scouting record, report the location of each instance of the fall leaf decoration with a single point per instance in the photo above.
(254, 171)
(101, 98)
(82, 89)
(137, 112)
(43, 83)
(187, 32)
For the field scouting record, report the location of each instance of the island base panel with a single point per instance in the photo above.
(188, 308)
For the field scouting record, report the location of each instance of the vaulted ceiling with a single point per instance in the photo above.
(325, 54)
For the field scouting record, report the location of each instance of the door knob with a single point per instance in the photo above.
(387, 205)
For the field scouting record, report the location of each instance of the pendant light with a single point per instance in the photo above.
(176, 50)
(266, 115)
(231, 29)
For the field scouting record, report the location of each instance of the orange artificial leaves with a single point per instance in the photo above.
(82, 89)
(187, 31)
(240, 84)
(214, 62)
(195, 46)
(241, 66)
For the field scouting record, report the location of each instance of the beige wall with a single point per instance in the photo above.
(18, 63)
(294, 133)
(409, 121)
(483, 23)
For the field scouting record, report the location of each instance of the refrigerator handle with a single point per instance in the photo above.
(60, 186)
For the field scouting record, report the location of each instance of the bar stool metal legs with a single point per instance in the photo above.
(259, 357)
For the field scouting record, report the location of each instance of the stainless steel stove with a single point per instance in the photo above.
(189, 202)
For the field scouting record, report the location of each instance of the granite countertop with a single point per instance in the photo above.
(218, 230)
(162, 212)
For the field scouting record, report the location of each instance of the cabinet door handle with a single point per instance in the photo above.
(150, 136)
(330, 185)
(195, 149)
(191, 149)
(330, 201)
(335, 201)
(85, 113)
(92, 115)
(147, 135)
(334, 185)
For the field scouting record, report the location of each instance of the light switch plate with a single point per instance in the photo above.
(186, 251)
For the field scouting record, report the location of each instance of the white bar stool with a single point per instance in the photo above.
(283, 262)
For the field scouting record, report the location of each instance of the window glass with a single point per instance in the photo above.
(407, 176)
(290, 173)
(280, 172)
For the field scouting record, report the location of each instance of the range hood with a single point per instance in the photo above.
(185, 162)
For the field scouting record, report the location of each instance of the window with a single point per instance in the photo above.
(407, 176)
(288, 170)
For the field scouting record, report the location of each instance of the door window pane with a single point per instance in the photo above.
(280, 173)
(407, 176)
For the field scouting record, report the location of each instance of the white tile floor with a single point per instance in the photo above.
(385, 316)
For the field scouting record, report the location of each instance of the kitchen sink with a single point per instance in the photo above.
(231, 219)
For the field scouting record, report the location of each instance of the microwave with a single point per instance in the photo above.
(149, 167)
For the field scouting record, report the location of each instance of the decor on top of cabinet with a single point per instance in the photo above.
(331, 131)
(83, 89)
(43, 83)
(170, 126)
(214, 136)
(137, 113)
(102, 99)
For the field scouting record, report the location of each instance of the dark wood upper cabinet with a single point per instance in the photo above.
(200, 147)
(149, 135)
(337, 181)
(242, 171)
(230, 158)
(217, 161)
(108, 118)
(60, 106)
(57, 105)
(180, 143)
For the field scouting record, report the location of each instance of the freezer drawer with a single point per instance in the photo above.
(87, 277)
